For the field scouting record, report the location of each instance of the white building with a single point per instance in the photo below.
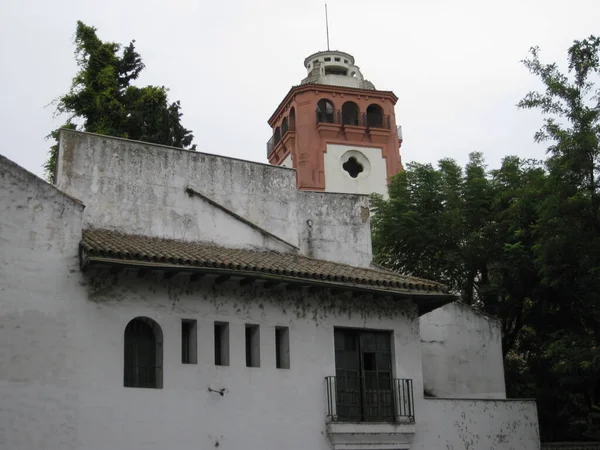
(158, 298)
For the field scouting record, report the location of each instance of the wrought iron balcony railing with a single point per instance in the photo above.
(370, 398)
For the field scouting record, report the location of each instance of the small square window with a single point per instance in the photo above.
(315, 61)
(252, 346)
(337, 59)
(346, 61)
(189, 348)
(327, 59)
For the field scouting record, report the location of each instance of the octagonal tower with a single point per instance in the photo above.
(336, 129)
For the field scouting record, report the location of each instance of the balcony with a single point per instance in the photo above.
(373, 413)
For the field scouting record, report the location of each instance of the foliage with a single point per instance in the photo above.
(470, 229)
(567, 236)
(103, 100)
(521, 242)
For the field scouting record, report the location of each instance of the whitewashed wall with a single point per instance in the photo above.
(61, 384)
(335, 224)
(139, 188)
(61, 360)
(40, 295)
(477, 424)
(462, 353)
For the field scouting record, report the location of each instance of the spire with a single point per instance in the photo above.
(327, 25)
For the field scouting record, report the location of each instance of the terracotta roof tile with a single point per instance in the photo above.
(98, 244)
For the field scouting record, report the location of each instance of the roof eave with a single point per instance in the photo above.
(426, 301)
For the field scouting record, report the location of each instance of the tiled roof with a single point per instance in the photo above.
(107, 245)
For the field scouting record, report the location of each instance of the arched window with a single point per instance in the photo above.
(277, 135)
(350, 113)
(374, 116)
(143, 354)
(284, 126)
(324, 111)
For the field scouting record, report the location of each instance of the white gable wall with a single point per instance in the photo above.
(462, 353)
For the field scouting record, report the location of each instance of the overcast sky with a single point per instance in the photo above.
(454, 65)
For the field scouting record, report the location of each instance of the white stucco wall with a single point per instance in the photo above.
(61, 360)
(372, 179)
(148, 182)
(478, 424)
(335, 224)
(462, 353)
(139, 188)
(40, 230)
(81, 402)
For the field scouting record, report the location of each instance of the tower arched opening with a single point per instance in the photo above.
(325, 111)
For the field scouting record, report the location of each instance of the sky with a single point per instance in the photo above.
(455, 66)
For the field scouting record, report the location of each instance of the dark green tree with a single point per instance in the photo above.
(521, 242)
(567, 237)
(471, 230)
(103, 100)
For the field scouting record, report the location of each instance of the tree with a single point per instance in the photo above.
(521, 242)
(567, 248)
(471, 230)
(102, 99)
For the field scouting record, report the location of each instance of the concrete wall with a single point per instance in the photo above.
(140, 188)
(477, 424)
(372, 179)
(462, 353)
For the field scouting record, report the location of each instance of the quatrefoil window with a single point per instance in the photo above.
(353, 167)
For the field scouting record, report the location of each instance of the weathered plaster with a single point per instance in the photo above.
(451, 424)
(335, 224)
(61, 362)
(140, 188)
(271, 408)
(462, 353)
(40, 230)
(148, 182)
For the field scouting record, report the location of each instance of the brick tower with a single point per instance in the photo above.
(336, 129)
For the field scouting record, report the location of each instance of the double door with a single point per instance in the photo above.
(363, 362)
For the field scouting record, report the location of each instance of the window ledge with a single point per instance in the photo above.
(373, 436)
